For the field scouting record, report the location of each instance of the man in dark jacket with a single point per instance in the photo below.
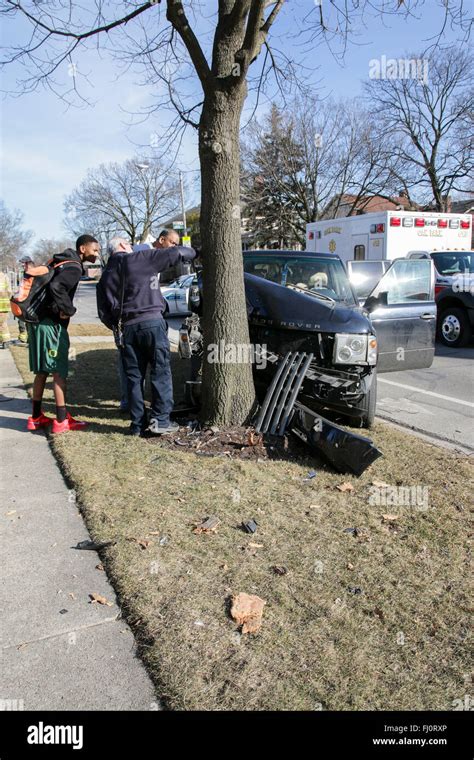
(48, 341)
(145, 339)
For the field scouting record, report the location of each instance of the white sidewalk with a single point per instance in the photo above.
(58, 651)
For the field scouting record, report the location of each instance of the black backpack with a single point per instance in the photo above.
(29, 301)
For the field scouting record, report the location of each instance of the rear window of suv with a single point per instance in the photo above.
(453, 262)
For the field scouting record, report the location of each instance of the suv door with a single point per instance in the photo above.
(364, 276)
(403, 312)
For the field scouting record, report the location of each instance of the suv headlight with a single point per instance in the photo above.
(355, 349)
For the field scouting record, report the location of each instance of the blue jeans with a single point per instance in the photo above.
(146, 343)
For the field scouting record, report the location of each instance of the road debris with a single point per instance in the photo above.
(208, 525)
(250, 526)
(247, 610)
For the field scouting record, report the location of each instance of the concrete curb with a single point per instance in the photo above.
(58, 651)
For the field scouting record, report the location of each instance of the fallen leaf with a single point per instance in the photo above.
(255, 546)
(350, 566)
(345, 487)
(141, 542)
(390, 518)
(247, 610)
(253, 439)
(224, 567)
(97, 598)
(279, 570)
(379, 614)
(99, 566)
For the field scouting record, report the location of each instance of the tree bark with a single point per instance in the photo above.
(228, 389)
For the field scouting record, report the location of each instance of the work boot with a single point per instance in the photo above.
(156, 429)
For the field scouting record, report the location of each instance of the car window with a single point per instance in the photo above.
(455, 262)
(364, 276)
(407, 280)
(314, 274)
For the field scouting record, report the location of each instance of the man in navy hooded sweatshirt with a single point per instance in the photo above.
(145, 339)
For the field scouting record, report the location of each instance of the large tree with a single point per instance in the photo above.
(131, 199)
(13, 238)
(219, 50)
(430, 122)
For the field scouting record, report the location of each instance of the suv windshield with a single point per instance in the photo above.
(317, 275)
(454, 262)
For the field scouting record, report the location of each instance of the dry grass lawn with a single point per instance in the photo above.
(364, 620)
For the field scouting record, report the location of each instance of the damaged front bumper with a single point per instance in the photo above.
(347, 452)
(283, 388)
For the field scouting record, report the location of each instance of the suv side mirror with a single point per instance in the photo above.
(373, 302)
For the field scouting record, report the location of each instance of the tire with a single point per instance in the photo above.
(368, 406)
(454, 329)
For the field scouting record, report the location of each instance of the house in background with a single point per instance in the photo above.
(353, 205)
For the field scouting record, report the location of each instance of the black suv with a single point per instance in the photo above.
(454, 292)
(304, 302)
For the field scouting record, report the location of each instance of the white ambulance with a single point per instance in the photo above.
(389, 234)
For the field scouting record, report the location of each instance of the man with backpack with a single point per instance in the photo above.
(48, 339)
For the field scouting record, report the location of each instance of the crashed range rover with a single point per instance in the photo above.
(323, 349)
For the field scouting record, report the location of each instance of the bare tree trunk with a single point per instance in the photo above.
(228, 389)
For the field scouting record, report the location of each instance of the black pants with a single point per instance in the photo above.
(146, 343)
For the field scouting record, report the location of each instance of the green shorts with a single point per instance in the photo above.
(48, 344)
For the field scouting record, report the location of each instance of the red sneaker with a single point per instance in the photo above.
(75, 424)
(60, 427)
(36, 423)
(69, 424)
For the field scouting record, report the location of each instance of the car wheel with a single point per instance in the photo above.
(368, 407)
(453, 327)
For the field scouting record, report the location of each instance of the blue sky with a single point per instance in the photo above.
(47, 148)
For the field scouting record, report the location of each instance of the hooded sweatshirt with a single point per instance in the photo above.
(142, 299)
(62, 288)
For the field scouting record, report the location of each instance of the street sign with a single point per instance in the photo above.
(185, 240)
(178, 225)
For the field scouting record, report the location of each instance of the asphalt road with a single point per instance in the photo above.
(438, 401)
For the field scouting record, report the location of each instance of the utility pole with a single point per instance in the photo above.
(181, 189)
